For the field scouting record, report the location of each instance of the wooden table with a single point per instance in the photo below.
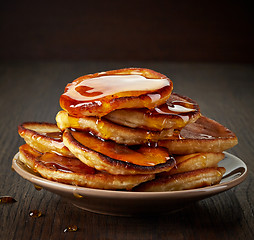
(30, 92)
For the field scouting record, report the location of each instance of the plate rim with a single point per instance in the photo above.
(45, 183)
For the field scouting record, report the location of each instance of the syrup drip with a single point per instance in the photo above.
(175, 107)
(177, 134)
(152, 144)
(65, 164)
(150, 135)
(76, 195)
(71, 228)
(113, 85)
(54, 135)
(100, 125)
(7, 199)
(35, 213)
(38, 188)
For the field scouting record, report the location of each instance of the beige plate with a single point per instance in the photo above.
(124, 203)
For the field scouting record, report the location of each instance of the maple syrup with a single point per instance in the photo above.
(55, 139)
(54, 135)
(77, 195)
(102, 129)
(35, 213)
(7, 199)
(65, 164)
(71, 228)
(37, 187)
(112, 85)
(143, 155)
(176, 107)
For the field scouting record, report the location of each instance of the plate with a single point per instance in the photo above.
(125, 203)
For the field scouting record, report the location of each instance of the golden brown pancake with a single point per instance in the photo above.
(108, 130)
(72, 171)
(44, 137)
(115, 158)
(183, 181)
(189, 162)
(174, 114)
(204, 135)
(100, 93)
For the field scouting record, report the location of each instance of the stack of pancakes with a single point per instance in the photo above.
(125, 129)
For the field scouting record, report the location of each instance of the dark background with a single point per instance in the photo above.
(183, 31)
(46, 44)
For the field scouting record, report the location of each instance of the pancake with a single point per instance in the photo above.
(115, 158)
(184, 181)
(100, 93)
(204, 135)
(72, 171)
(189, 162)
(108, 130)
(174, 114)
(44, 137)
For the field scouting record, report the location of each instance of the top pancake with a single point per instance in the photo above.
(100, 93)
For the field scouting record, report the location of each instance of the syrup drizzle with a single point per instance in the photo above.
(65, 164)
(55, 138)
(7, 199)
(38, 188)
(35, 213)
(110, 85)
(77, 195)
(54, 135)
(175, 107)
(144, 155)
(71, 228)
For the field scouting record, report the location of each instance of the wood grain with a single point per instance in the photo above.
(30, 92)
